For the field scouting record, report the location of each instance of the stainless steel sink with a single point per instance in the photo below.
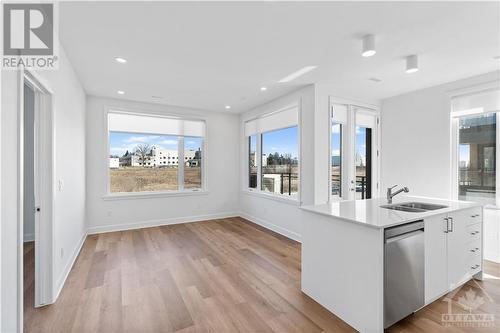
(414, 207)
(422, 205)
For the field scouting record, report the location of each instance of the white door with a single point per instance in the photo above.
(436, 261)
(353, 152)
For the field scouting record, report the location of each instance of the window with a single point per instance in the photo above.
(139, 146)
(474, 117)
(252, 161)
(193, 159)
(336, 167)
(273, 152)
(280, 161)
(363, 162)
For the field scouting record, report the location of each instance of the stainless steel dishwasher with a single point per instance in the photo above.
(403, 271)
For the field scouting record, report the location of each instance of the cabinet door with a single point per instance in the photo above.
(457, 256)
(436, 279)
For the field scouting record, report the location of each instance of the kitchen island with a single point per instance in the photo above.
(344, 256)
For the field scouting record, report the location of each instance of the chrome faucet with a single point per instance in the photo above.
(391, 195)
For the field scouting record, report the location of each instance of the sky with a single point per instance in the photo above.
(283, 141)
(120, 142)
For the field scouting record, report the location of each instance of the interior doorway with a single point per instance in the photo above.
(36, 167)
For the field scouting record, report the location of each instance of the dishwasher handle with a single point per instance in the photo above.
(403, 236)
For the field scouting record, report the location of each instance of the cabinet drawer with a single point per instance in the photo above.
(473, 249)
(473, 232)
(475, 215)
(474, 264)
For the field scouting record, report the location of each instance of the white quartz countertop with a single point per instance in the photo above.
(368, 212)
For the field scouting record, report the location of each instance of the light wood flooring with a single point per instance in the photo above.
(225, 275)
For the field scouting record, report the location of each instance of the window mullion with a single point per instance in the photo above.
(180, 163)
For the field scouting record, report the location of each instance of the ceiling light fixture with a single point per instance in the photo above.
(368, 46)
(411, 64)
(298, 73)
(120, 92)
(120, 60)
(263, 88)
(228, 107)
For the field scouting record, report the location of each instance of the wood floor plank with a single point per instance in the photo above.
(226, 275)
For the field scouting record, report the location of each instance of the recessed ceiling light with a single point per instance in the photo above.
(228, 107)
(411, 64)
(120, 60)
(263, 88)
(368, 46)
(375, 79)
(298, 73)
(120, 92)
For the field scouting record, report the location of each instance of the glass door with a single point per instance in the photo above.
(353, 152)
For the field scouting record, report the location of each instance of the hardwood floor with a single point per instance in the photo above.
(225, 275)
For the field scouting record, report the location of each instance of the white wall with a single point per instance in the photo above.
(281, 215)
(119, 214)
(69, 215)
(416, 143)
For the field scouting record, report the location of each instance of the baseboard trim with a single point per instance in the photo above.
(157, 223)
(67, 269)
(268, 225)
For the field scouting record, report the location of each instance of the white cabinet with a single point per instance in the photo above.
(436, 261)
(453, 246)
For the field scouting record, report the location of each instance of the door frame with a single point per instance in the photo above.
(44, 182)
(348, 144)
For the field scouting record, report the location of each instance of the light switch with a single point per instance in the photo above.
(60, 185)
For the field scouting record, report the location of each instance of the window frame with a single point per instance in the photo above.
(108, 195)
(294, 198)
(455, 140)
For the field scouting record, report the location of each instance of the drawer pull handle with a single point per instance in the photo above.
(475, 266)
(473, 250)
(475, 215)
(474, 233)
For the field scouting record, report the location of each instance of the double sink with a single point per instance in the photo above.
(414, 207)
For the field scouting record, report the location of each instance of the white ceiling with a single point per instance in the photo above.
(208, 55)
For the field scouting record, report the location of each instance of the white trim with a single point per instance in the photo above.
(273, 227)
(67, 269)
(158, 222)
(291, 200)
(148, 195)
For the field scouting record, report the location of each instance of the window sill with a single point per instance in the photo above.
(293, 200)
(151, 195)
